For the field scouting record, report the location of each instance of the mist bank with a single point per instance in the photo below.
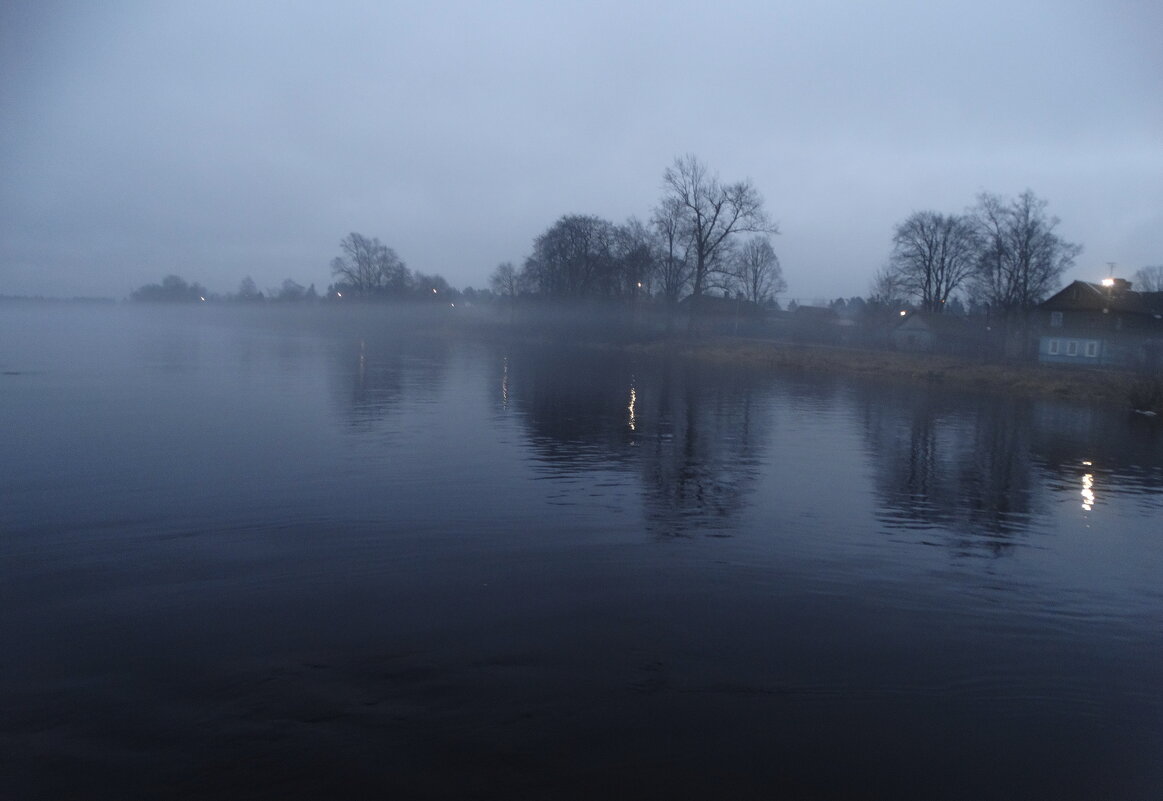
(733, 334)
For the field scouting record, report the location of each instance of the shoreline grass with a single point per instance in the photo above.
(1083, 385)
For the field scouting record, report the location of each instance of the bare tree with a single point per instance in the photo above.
(1149, 279)
(934, 254)
(291, 290)
(503, 281)
(367, 266)
(1021, 258)
(887, 289)
(758, 273)
(712, 213)
(673, 265)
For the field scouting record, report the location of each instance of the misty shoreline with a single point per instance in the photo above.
(1106, 386)
(652, 335)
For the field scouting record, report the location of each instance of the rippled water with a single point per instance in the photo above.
(271, 553)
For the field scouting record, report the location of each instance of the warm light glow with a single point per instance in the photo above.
(633, 403)
(1087, 492)
(1108, 282)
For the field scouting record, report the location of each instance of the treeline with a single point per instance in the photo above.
(1003, 255)
(703, 235)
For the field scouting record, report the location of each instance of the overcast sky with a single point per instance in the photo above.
(219, 140)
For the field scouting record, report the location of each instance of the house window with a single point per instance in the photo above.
(1072, 348)
(1092, 349)
(1053, 348)
(1055, 319)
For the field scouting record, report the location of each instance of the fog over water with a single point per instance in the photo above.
(316, 552)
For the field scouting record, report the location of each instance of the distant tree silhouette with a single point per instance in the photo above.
(368, 267)
(1022, 259)
(933, 255)
(757, 271)
(504, 280)
(1149, 279)
(712, 214)
(291, 291)
(172, 289)
(248, 290)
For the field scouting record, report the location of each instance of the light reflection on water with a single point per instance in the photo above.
(783, 565)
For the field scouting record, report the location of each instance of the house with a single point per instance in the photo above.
(925, 332)
(1102, 325)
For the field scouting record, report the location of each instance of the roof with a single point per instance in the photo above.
(1083, 295)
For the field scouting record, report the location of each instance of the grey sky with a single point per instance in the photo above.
(218, 140)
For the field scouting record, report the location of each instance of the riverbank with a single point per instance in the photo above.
(1113, 387)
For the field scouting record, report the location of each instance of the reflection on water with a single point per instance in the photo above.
(299, 545)
(687, 438)
(1087, 489)
(375, 373)
(941, 465)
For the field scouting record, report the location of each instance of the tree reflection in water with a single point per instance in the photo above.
(687, 436)
(938, 468)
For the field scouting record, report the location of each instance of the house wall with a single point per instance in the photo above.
(1075, 348)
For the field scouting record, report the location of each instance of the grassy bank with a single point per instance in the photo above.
(1083, 385)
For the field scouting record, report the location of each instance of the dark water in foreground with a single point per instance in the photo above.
(255, 556)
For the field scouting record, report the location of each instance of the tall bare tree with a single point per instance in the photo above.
(1021, 258)
(1149, 279)
(712, 214)
(934, 254)
(758, 273)
(886, 289)
(367, 266)
(673, 266)
(503, 281)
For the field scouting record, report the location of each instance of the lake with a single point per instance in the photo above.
(310, 553)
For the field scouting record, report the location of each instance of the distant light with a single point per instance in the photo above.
(433, 290)
(639, 284)
(453, 305)
(1108, 282)
(903, 312)
(201, 298)
(338, 294)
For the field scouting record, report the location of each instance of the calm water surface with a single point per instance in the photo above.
(256, 554)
